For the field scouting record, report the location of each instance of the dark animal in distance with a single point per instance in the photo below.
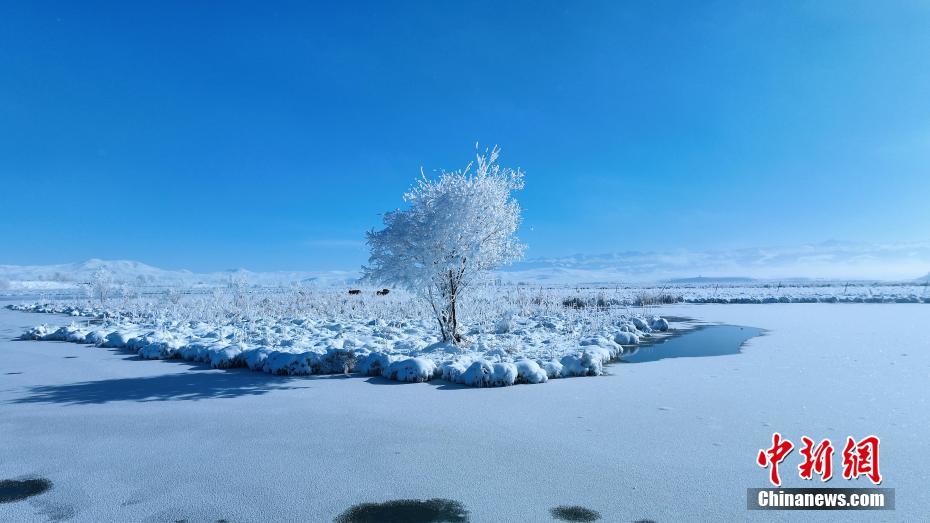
(355, 291)
(383, 292)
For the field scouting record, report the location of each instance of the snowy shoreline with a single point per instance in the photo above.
(515, 335)
(303, 347)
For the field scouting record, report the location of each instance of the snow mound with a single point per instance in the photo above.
(374, 363)
(641, 324)
(39, 332)
(528, 371)
(414, 370)
(626, 338)
(659, 324)
(589, 362)
(553, 369)
(483, 373)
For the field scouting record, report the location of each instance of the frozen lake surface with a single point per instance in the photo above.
(667, 440)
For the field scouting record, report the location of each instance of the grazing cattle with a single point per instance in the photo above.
(355, 291)
(383, 292)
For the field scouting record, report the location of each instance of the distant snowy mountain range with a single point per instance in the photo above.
(72, 275)
(830, 260)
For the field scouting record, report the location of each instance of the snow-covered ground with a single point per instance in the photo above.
(698, 290)
(628, 278)
(523, 341)
(515, 334)
(671, 440)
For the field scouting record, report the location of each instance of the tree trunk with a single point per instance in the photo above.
(445, 307)
(453, 317)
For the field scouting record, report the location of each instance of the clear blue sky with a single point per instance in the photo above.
(222, 135)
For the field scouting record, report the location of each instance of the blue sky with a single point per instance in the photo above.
(272, 136)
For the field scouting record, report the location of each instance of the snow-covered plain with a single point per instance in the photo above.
(671, 440)
(516, 334)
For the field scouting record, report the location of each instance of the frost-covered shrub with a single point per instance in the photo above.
(333, 361)
(504, 324)
(95, 337)
(255, 359)
(528, 371)
(659, 324)
(626, 338)
(160, 350)
(504, 374)
(478, 374)
(39, 332)
(227, 357)
(640, 324)
(200, 352)
(289, 363)
(373, 364)
(589, 363)
(36, 333)
(116, 340)
(74, 334)
(482, 373)
(600, 342)
(411, 369)
(553, 369)
(336, 361)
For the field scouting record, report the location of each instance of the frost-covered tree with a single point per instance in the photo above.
(457, 227)
(101, 285)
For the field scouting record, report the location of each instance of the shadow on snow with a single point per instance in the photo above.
(169, 387)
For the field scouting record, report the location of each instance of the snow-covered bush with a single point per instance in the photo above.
(411, 369)
(627, 338)
(588, 363)
(659, 324)
(505, 323)
(373, 364)
(528, 371)
(483, 373)
(456, 229)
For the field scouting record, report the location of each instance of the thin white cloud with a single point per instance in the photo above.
(829, 260)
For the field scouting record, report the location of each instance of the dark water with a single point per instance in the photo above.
(407, 510)
(710, 340)
(17, 489)
(574, 513)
